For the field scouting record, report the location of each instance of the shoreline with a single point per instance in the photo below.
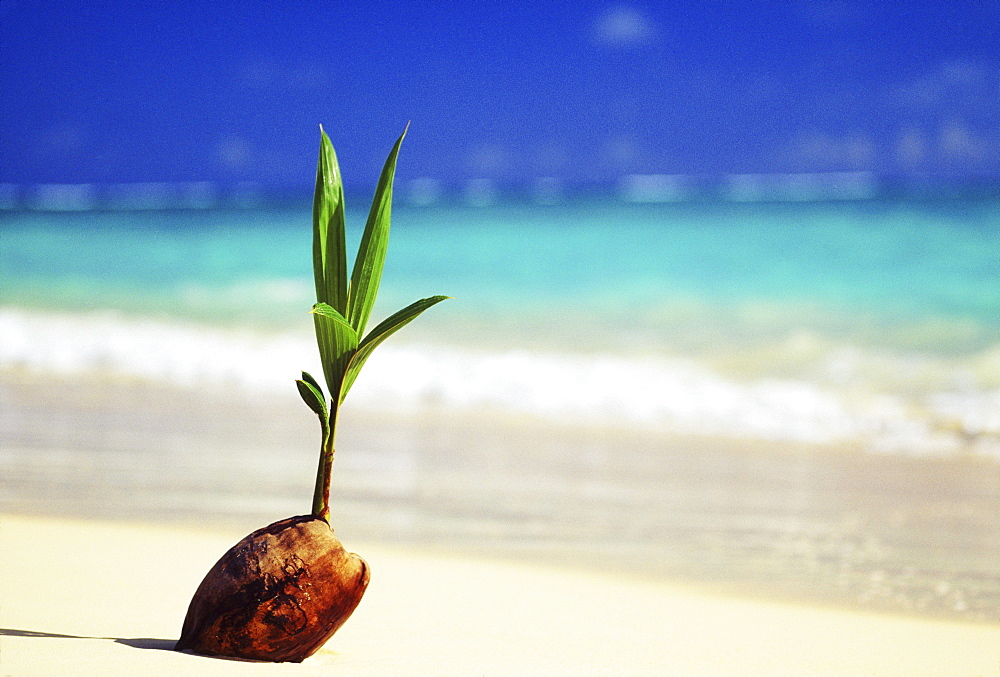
(797, 388)
(120, 599)
(830, 526)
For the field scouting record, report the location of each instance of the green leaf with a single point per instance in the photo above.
(329, 248)
(337, 344)
(313, 397)
(308, 378)
(367, 273)
(381, 332)
(326, 310)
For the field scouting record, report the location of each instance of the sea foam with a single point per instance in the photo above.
(676, 395)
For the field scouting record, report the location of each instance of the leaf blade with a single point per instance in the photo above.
(329, 246)
(308, 378)
(380, 333)
(367, 272)
(313, 397)
(337, 344)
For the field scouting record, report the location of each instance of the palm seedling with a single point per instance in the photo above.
(281, 592)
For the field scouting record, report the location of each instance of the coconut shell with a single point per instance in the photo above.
(277, 595)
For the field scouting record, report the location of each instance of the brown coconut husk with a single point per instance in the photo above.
(277, 595)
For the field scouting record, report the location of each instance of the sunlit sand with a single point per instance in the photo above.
(497, 546)
(86, 598)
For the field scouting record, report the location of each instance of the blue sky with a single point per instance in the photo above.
(586, 91)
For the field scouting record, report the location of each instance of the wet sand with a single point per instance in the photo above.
(829, 527)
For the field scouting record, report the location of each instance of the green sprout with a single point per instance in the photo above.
(342, 308)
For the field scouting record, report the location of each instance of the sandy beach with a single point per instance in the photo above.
(94, 598)
(498, 546)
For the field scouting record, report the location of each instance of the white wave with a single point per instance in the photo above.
(169, 352)
(676, 395)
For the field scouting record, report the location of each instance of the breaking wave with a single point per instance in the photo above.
(674, 394)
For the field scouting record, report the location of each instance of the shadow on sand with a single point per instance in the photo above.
(134, 642)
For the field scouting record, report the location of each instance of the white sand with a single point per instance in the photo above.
(91, 598)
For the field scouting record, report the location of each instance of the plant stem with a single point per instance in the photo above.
(321, 494)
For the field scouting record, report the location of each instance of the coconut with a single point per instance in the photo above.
(277, 595)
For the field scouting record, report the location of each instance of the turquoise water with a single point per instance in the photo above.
(892, 262)
(883, 310)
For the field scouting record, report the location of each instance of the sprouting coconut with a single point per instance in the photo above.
(281, 592)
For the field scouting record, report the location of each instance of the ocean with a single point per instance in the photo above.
(872, 323)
